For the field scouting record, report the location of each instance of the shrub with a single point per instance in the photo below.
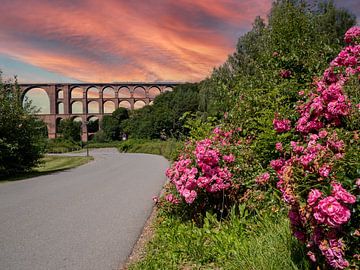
(163, 119)
(70, 130)
(60, 145)
(205, 171)
(22, 135)
(318, 175)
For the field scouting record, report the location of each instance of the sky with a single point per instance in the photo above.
(123, 40)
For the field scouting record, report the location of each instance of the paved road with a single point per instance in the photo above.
(85, 218)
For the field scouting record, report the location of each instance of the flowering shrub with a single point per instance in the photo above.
(318, 175)
(205, 169)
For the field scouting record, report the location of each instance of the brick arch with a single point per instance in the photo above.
(57, 123)
(109, 92)
(139, 103)
(139, 92)
(124, 92)
(125, 104)
(77, 111)
(93, 106)
(109, 106)
(39, 101)
(59, 94)
(79, 92)
(153, 91)
(60, 107)
(92, 92)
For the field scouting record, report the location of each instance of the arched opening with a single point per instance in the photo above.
(168, 89)
(77, 107)
(60, 94)
(108, 92)
(38, 99)
(93, 124)
(153, 92)
(139, 92)
(77, 92)
(77, 119)
(60, 108)
(92, 92)
(125, 104)
(58, 121)
(124, 92)
(109, 106)
(139, 104)
(93, 107)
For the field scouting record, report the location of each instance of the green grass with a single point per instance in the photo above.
(168, 149)
(50, 164)
(238, 243)
(104, 144)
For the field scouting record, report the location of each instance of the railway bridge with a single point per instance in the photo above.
(85, 102)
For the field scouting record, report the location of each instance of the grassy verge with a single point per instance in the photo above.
(168, 149)
(261, 244)
(115, 144)
(51, 164)
(61, 146)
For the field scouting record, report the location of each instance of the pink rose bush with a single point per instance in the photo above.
(205, 168)
(314, 175)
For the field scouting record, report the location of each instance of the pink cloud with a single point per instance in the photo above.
(125, 40)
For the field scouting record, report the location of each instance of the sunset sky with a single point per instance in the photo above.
(123, 40)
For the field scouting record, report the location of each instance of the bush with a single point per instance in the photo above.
(59, 145)
(318, 174)
(70, 130)
(111, 124)
(169, 149)
(163, 119)
(22, 135)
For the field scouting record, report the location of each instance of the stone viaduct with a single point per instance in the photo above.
(86, 102)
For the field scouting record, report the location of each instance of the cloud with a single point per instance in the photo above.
(125, 40)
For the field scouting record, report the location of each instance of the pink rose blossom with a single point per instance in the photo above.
(324, 171)
(331, 212)
(313, 197)
(341, 194)
(281, 126)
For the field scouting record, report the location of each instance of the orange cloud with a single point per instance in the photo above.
(125, 40)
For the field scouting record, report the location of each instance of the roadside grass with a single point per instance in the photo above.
(169, 149)
(264, 243)
(50, 164)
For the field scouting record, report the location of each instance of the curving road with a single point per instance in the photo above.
(84, 218)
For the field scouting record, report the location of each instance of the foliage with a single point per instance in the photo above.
(237, 243)
(164, 118)
(70, 130)
(111, 124)
(60, 145)
(205, 171)
(271, 64)
(169, 149)
(22, 135)
(319, 173)
(93, 126)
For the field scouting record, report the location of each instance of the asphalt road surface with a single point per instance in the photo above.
(84, 218)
